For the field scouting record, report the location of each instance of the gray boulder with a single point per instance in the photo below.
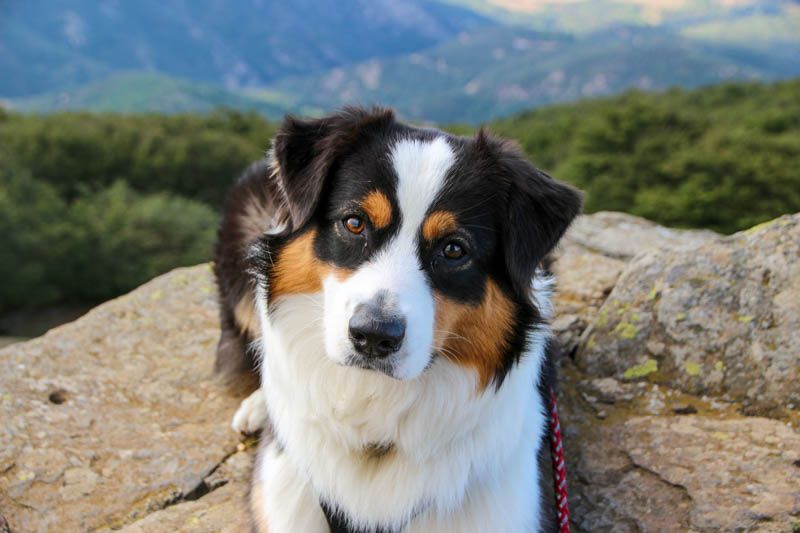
(720, 318)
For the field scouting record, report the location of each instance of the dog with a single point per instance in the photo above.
(384, 282)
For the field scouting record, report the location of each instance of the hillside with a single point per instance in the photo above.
(60, 44)
(479, 76)
(745, 22)
(454, 61)
(498, 71)
(130, 92)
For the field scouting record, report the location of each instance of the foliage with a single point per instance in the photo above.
(124, 239)
(725, 157)
(99, 247)
(195, 156)
(91, 205)
(34, 235)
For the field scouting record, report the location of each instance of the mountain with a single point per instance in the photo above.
(128, 92)
(56, 44)
(434, 60)
(743, 22)
(497, 71)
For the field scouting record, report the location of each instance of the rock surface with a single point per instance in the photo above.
(116, 416)
(645, 458)
(115, 422)
(721, 318)
(594, 253)
(622, 236)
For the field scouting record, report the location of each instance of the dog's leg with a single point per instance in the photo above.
(281, 499)
(251, 416)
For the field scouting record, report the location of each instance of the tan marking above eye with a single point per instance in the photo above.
(438, 224)
(475, 336)
(378, 208)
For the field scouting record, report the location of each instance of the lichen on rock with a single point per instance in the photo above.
(726, 318)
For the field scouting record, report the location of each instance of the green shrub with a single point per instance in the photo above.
(124, 238)
(99, 247)
(725, 157)
(35, 238)
(196, 156)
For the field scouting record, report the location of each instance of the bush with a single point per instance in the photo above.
(97, 248)
(196, 156)
(725, 157)
(35, 232)
(124, 238)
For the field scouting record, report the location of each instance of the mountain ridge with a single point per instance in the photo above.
(434, 60)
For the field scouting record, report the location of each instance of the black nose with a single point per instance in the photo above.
(374, 333)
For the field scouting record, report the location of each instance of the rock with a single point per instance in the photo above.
(115, 416)
(721, 318)
(594, 253)
(584, 280)
(223, 509)
(645, 469)
(623, 236)
(609, 390)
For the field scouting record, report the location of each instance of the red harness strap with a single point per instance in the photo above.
(559, 467)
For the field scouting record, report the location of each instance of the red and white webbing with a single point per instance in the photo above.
(559, 467)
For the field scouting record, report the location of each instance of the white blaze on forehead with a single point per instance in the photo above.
(421, 167)
(395, 270)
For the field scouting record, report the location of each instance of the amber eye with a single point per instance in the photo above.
(453, 250)
(354, 224)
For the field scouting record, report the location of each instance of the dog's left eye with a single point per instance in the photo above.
(354, 224)
(453, 250)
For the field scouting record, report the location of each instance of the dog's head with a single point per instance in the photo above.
(422, 244)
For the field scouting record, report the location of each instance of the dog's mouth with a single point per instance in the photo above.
(384, 366)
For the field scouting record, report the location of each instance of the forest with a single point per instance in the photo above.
(92, 205)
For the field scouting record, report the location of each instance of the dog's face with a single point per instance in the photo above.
(423, 245)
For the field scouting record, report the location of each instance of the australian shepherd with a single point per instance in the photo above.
(384, 283)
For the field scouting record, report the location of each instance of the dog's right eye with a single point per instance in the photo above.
(354, 224)
(453, 250)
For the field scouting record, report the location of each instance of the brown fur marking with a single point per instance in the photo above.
(378, 208)
(438, 224)
(475, 336)
(246, 318)
(298, 270)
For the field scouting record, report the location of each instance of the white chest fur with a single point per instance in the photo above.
(461, 460)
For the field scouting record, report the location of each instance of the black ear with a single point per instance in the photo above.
(305, 151)
(539, 211)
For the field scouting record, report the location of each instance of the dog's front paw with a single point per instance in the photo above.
(251, 417)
